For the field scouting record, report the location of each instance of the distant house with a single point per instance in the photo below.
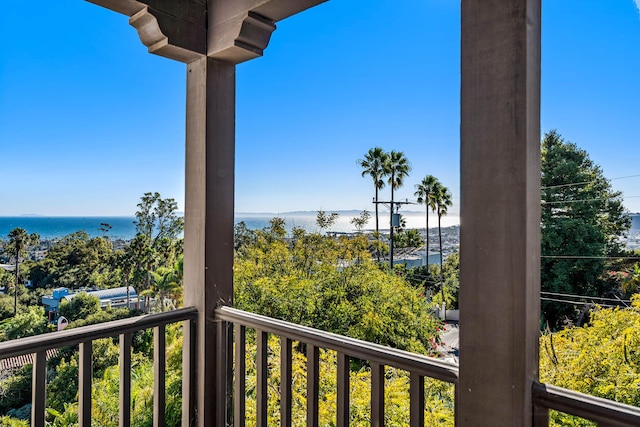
(415, 257)
(116, 298)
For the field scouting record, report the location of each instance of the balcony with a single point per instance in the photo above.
(497, 381)
(230, 394)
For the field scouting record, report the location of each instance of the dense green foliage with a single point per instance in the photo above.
(408, 239)
(601, 359)
(62, 390)
(152, 262)
(331, 284)
(26, 324)
(581, 217)
(80, 307)
(76, 261)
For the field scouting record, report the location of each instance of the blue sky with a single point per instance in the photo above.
(89, 121)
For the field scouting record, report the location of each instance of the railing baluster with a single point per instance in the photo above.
(85, 373)
(38, 389)
(125, 380)
(342, 417)
(540, 416)
(239, 401)
(224, 373)
(83, 337)
(262, 374)
(313, 380)
(159, 369)
(416, 393)
(285, 381)
(377, 395)
(188, 372)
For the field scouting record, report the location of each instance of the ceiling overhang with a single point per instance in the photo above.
(185, 30)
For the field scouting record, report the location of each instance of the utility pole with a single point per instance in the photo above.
(392, 205)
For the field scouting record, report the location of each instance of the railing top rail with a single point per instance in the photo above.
(75, 336)
(582, 405)
(422, 365)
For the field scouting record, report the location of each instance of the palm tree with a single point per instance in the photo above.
(165, 286)
(397, 168)
(19, 241)
(424, 193)
(442, 199)
(373, 165)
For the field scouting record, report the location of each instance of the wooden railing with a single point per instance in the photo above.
(83, 337)
(378, 357)
(606, 413)
(545, 397)
(233, 324)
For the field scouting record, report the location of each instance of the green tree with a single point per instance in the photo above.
(242, 236)
(277, 228)
(373, 165)
(361, 220)
(19, 242)
(324, 220)
(140, 258)
(15, 389)
(156, 243)
(332, 284)
(582, 221)
(6, 307)
(451, 274)
(425, 194)
(26, 324)
(157, 218)
(409, 239)
(76, 261)
(79, 307)
(166, 286)
(600, 359)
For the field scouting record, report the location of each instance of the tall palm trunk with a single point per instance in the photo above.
(126, 283)
(376, 203)
(391, 224)
(15, 289)
(426, 233)
(377, 226)
(441, 272)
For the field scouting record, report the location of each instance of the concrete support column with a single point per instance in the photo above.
(208, 251)
(500, 212)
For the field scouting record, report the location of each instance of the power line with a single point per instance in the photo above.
(575, 302)
(586, 182)
(556, 202)
(584, 297)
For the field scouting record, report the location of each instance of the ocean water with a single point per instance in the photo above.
(123, 227)
(58, 226)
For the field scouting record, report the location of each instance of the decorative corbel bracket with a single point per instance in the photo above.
(185, 30)
(240, 30)
(240, 38)
(176, 29)
(168, 36)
